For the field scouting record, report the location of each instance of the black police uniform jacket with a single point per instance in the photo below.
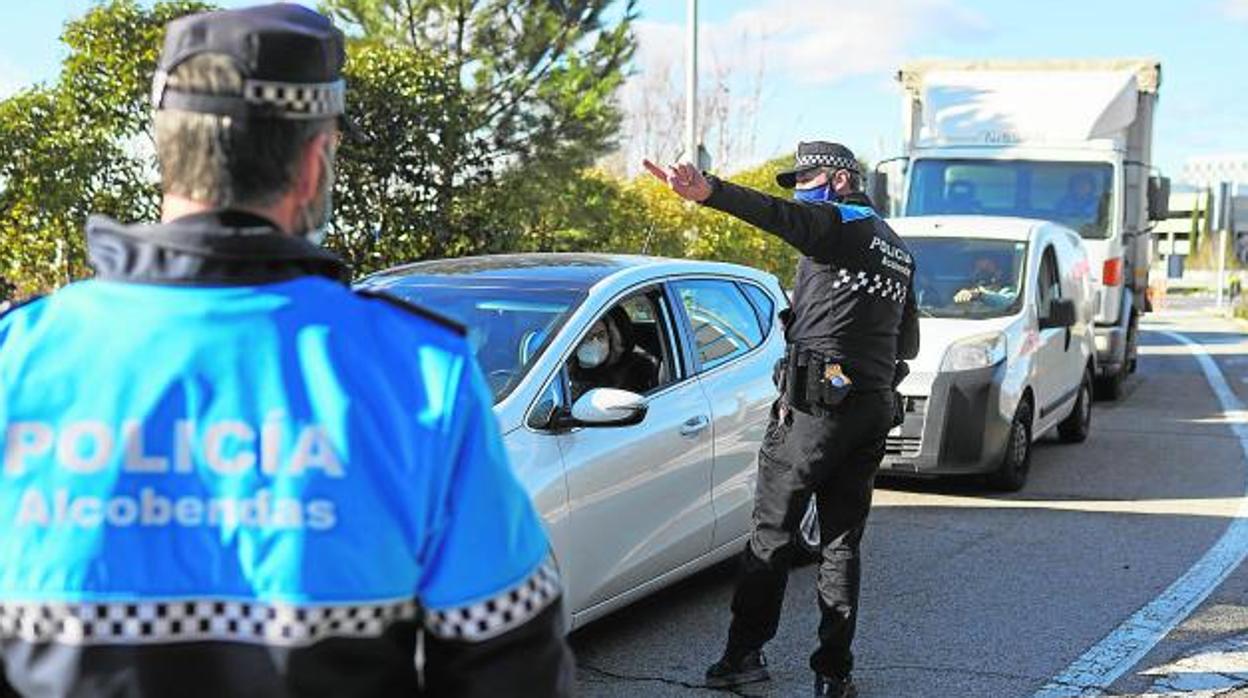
(853, 297)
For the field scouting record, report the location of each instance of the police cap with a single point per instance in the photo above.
(818, 154)
(290, 57)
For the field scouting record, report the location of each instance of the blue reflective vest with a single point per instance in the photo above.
(266, 461)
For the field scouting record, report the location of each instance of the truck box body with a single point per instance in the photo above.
(1068, 141)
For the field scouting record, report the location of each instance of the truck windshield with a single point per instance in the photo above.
(968, 277)
(1074, 194)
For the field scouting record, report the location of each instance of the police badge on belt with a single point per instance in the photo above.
(835, 385)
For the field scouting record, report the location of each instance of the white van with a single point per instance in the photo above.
(1007, 351)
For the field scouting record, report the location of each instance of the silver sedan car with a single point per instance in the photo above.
(633, 394)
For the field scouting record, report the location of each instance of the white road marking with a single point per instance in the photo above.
(1209, 671)
(1100, 666)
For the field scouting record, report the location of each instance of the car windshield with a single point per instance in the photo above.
(967, 277)
(508, 327)
(1074, 194)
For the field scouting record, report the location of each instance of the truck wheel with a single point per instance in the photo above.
(1075, 428)
(1012, 473)
(1132, 353)
(1110, 387)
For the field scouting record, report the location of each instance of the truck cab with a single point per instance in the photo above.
(1064, 141)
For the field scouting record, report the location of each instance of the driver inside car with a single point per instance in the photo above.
(608, 357)
(988, 286)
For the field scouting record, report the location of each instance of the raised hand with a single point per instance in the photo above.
(684, 179)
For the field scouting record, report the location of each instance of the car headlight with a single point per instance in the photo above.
(980, 351)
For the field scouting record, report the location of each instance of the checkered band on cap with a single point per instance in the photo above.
(296, 100)
(497, 615)
(157, 622)
(835, 162)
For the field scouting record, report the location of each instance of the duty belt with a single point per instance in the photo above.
(811, 381)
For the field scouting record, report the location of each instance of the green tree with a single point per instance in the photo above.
(537, 79)
(82, 145)
(390, 203)
(539, 75)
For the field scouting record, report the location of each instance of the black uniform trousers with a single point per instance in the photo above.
(835, 458)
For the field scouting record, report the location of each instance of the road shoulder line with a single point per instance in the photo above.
(1098, 668)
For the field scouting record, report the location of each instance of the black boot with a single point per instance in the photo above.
(735, 669)
(835, 686)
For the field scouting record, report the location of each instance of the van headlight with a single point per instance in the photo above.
(980, 351)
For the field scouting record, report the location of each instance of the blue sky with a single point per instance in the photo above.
(826, 66)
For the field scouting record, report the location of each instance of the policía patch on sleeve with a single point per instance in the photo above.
(498, 614)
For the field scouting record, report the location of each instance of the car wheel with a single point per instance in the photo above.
(1075, 428)
(1011, 475)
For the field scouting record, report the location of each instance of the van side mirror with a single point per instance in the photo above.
(1061, 314)
(1158, 198)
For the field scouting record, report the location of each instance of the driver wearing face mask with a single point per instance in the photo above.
(608, 357)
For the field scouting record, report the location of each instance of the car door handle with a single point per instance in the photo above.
(694, 425)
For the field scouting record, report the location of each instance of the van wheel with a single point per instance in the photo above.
(1012, 473)
(1075, 428)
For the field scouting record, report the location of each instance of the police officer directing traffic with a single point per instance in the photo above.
(853, 320)
(226, 474)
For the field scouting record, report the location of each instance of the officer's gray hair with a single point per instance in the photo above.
(219, 160)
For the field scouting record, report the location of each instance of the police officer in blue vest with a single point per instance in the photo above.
(226, 474)
(853, 323)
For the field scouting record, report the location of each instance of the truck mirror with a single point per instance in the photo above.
(877, 187)
(1158, 198)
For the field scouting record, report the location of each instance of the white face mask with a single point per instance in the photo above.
(593, 352)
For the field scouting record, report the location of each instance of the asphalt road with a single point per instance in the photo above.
(972, 593)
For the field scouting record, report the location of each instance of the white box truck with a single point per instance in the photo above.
(1063, 140)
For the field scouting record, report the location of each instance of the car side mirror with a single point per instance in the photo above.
(608, 407)
(1158, 198)
(1061, 314)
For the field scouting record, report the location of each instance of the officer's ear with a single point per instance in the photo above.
(313, 161)
(842, 182)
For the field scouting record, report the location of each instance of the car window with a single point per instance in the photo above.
(507, 327)
(550, 403)
(763, 304)
(1048, 283)
(639, 358)
(724, 324)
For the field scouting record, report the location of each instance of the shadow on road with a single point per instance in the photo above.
(973, 592)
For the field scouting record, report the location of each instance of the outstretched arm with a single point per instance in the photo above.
(812, 229)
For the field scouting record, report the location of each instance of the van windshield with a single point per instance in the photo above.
(967, 277)
(1074, 194)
